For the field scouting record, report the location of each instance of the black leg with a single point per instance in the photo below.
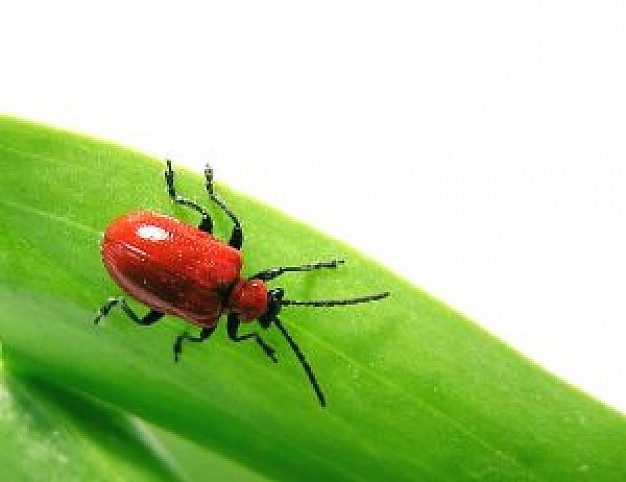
(206, 224)
(151, 317)
(303, 362)
(236, 238)
(178, 342)
(271, 273)
(233, 328)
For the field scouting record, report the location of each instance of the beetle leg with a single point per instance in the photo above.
(178, 342)
(233, 328)
(206, 224)
(236, 238)
(271, 273)
(151, 317)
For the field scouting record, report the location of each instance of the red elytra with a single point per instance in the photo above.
(179, 270)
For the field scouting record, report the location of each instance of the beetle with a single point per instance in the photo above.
(182, 270)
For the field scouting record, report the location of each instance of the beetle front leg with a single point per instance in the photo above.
(178, 342)
(271, 273)
(233, 328)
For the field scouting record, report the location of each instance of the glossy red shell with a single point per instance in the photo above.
(170, 266)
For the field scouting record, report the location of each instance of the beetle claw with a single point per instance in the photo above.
(169, 179)
(103, 312)
(208, 177)
(178, 347)
(270, 352)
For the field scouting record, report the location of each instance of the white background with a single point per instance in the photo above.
(476, 148)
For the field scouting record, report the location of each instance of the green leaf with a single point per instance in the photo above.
(47, 434)
(415, 390)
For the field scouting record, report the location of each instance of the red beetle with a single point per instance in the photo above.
(177, 269)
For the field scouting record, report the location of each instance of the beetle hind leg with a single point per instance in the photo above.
(148, 319)
(206, 223)
(236, 238)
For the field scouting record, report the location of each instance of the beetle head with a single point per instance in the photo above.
(274, 304)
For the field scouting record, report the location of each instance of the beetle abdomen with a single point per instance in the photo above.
(170, 266)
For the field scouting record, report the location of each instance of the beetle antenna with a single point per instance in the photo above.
(303, 362)
(341, 302)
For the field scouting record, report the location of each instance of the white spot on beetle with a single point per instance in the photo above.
(152, 233)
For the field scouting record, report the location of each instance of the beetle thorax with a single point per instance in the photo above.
(248, 299)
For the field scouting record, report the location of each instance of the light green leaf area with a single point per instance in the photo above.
(415, 391)
(51, 435)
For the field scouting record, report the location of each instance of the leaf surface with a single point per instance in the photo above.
(415, 390)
